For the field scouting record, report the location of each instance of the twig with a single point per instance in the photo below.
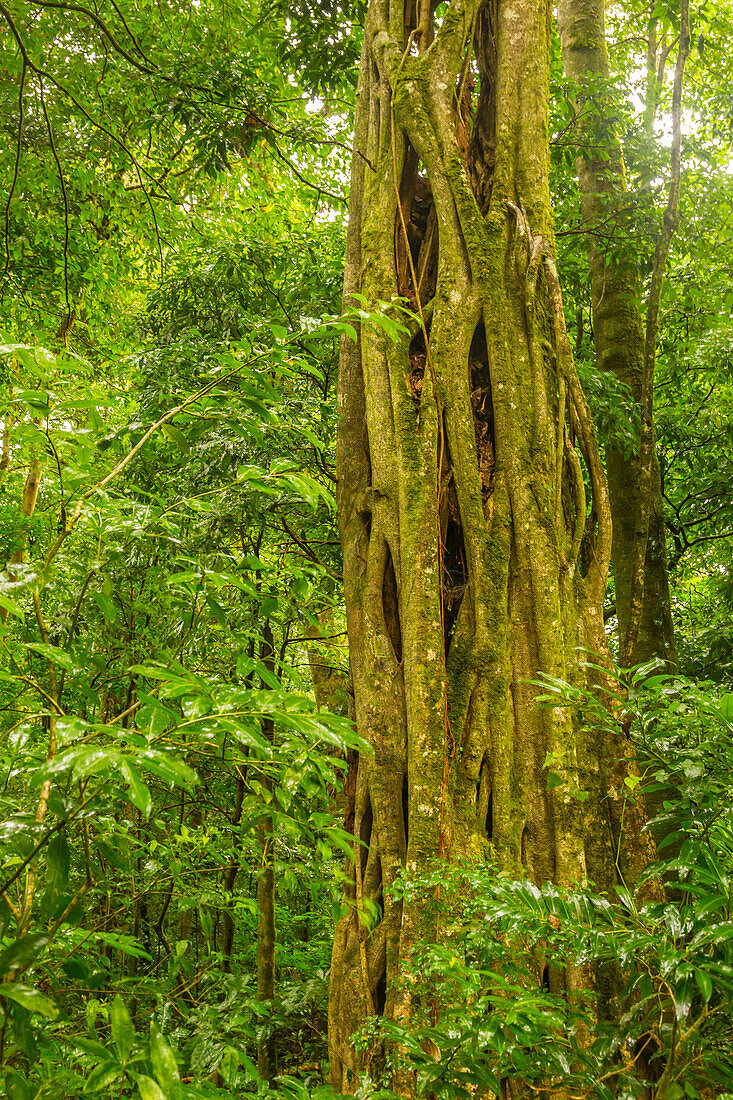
(43, 842)
(72, 522)
(54, 4)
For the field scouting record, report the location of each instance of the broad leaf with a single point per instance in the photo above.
(29, 998)
(122, 1028)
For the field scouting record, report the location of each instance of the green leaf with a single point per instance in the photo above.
(91, 1046)
(11, 607)
(106, 606)
(164, 1062)
(115, 855)
(29, 998)
(22, 951)
(170, 431)
(76, 968)
(683, 999)
(16, 1087)
(139, 792)
(343, 326)
(102, 1075)
(229, 1065)
(154, 717)
(554, 780)
(655, 681)
(216, 610)
(75, 913)
(308, 489)
(155, 673)
(57, 875)
(53, 653)
(122, 1029)
(128, 944)
(704, 984)
(149, 1090)
(168, 768)
(643, 671)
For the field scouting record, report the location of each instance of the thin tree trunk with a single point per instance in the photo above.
(266, 948)
(49, 726)
(654, 299)
(326, 660)
(266, 1050)
(639, 557)
(332, 689)
(235, 865)
(473, 561)
(231, 875)
(27, 505)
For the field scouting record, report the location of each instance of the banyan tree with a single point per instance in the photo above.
(473, 506)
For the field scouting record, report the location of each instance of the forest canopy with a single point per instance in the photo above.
(366, 512)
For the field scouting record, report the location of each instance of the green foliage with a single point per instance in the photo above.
(498, 992)
(160, 588)
(170, 309)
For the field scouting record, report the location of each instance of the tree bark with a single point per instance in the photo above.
(618, 328)
(474, 560)
(266, 1066)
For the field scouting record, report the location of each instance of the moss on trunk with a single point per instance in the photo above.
(618, 330)
(473, 559)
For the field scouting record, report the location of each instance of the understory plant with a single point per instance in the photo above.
(492, 1008)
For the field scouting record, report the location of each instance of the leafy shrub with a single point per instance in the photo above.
(498, 997)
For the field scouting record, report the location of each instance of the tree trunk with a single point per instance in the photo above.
(27, 504)
(228, 923)
(473, 560)
(332, 689)
(618, 329)
(266, 1050)
(266, 948)
(326, 663)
